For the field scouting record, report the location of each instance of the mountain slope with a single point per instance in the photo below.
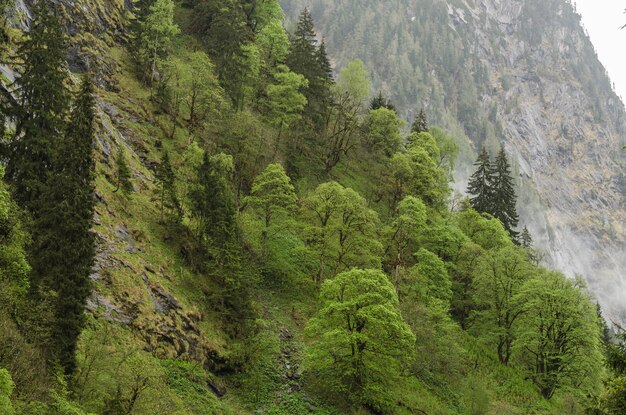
(521, 73)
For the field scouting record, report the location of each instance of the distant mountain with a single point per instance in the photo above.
(522, 73)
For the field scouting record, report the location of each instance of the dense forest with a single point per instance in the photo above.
(199, 214)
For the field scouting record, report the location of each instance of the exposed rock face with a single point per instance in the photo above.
(520, 72)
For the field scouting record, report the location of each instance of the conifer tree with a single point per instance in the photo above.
(63, 244)
(480, 185)
(504, 198)
(326, 69)
(311, 61)
(43, 102)
(420, 124)
(212, 201)
(379, 101)
(122, 174)
(525, 239)
(166, 186)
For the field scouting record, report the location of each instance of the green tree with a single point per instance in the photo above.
(156, 32)
(63, 250)
(212, 200)
(272, 192)
(14, 281)
(306, 59)
(448, 149)
(342, 230)
(285, 101)
(402, 234)
(223, 26)
(380, 101)
(525, 239)
(429, 182)
(165, 179)
(384, 131)
(122, 174)
(43, 104)
(558, 335)
(361, 343)
(434, 276)
(6, 390)
(499, 279)
(481, 184)
(504, 199)
(341, 127)
(420, 125)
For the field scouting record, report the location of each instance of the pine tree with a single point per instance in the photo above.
(122, 174)
(305, 58)
(326, 69)
(379, 101)
(504, 198)
(525, 239)
(166, 186)
(420, 124)
(63, 244)
(212, 202)
(43, 103)
(481, 184)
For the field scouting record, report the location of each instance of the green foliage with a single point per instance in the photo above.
(14, 269)
(285, 102)
(342, 230)
(211, 200)
(166, 187)
(434, 276)
(402, 234)
(156, 30)
(43, 105)
(354, 83)
(6, 390)
(558, 335)
(63, 248)
(360, 340)
(481, 183)
(420, 125)
(384, 127)
(483, 229)
(122, 173)
(499, 280)
(272, 192)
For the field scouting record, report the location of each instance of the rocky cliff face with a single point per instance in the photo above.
(518, 72)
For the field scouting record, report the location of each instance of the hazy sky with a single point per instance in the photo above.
(603, 19)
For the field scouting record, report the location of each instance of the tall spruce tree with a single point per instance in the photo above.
(481, 184)
(212, 203)
(420, 124)
(311, 61)
(166, 187)
(63, 244)
(43, 103)
(503, 196)
(122, 174)
(525, 239)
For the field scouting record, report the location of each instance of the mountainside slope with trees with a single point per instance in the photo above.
(200, 214)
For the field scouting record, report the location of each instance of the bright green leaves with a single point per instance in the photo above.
(155, 35)
(272, 193)
(384, 131)
(354, 83)
(361, 343)
(6, 389)
(558, 335)
(342, 230)
(285, 101)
